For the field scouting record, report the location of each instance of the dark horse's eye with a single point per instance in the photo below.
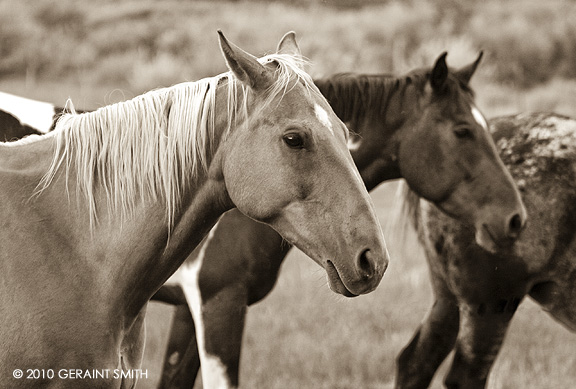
(463, 132)
(294, 140)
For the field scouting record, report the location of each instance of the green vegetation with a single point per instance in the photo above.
(303, 335)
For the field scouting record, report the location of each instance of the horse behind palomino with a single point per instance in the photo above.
(98, 213)
(476, 292)
(422, 126)
(20, 117)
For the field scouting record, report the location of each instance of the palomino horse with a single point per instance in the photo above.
(424, 127)
(477, 292)
(98, 213)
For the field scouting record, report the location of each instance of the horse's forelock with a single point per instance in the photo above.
(289, 71)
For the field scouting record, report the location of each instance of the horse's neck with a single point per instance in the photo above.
(159, 262)
(200, 209)
(26, 163)
(360, 99)
(129, 258)
(126, 258)
(377, 109)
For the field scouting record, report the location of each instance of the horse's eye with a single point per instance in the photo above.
(463, 132)
(294, 140)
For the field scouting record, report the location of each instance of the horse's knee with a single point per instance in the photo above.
(408, 374)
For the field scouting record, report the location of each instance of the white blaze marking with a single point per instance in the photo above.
(36, 114)
(213, 370)
(322, 115)
(479, 117)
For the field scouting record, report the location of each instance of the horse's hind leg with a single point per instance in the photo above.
(181, 361)
(478, 344)
(432, 342)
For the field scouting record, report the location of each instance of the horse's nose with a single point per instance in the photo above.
(367, 265)
(515, 225)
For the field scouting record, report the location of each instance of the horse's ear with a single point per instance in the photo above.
(439, 74)
(466, 73)
(244, 65)
(288, 45)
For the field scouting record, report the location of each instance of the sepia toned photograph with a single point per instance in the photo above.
(289, 194)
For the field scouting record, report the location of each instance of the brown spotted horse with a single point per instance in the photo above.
(476, 293)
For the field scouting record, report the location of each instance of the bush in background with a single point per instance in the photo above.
(146, 44)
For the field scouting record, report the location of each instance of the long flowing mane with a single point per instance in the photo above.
(152, 146)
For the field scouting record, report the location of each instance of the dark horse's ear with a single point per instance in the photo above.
(466, 73)
(244, 65)
(439, 74)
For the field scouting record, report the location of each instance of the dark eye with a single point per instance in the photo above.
(463, 132)
(293, 140)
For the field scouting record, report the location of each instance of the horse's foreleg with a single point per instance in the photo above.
(219, 322)
(481, 336)
(435, 338)
(181, 361)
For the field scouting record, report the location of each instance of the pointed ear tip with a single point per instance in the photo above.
(442, 57)
(221, 36)
(441, 60)
(224, 45)
(290, 35)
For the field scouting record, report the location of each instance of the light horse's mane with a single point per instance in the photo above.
(152, 146)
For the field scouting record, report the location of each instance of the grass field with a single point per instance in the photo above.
(303, 335)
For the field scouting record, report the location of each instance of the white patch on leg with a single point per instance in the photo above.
(322, 116)
(479, 117)
(214, 373)
(36, 114)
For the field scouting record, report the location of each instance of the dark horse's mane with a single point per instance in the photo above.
(352, 95)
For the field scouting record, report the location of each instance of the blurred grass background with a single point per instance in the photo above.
(303, 335)
(85, 49)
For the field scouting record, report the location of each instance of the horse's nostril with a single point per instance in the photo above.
(515, 225)
(365, 265)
